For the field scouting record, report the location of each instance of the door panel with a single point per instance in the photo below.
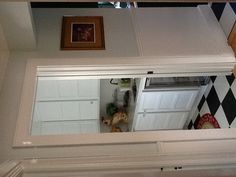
(167, 100)
(158, 121)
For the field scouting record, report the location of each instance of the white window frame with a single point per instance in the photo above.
(112, 68)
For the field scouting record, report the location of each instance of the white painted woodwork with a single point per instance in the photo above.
(80, 70)
(180, 32)
(65, 127)
(164, 109)
(119, 59)
(160, 121)
(11, 168)
(72, 89)
(18, 25)
(203, 149)
(216, 59)
(174, 100)
(118, 166)
(130, 166)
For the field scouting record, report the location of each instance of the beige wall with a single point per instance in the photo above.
(118, 31)
(17, 24)
(4, 54)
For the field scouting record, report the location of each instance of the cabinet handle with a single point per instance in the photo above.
(91, 102)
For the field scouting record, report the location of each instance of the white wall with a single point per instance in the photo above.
(181, 32)
(17, 24)
(118, 31)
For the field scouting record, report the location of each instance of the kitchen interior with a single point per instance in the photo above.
(74, 105)
(71, 105)
(67, 105)
(176, 96)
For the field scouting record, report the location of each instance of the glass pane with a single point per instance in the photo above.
(70, 105)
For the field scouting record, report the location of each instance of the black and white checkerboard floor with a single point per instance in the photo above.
(219, 100)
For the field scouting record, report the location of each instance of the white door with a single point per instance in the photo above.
(66, 106)
(158, 121)
(167, 100)
(165, 109)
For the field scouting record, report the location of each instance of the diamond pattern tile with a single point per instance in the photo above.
(213, 101)
(219, 100)
(218, 9)
(213, 78)
(190, 125)
(233, 124)
(233, 88)
(205, 109)
(233, 6)
(228, 105)
(222, 87)
(221, 118)
(230, 79)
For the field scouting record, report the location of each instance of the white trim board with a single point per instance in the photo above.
(11, 168)
(70, 67)
(205, 60)
(139, 165)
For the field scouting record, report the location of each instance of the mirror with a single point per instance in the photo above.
(70, 105)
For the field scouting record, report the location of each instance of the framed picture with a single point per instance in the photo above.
(82, 33)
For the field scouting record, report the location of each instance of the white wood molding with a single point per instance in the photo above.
(162, 164)
(135, 66)
(107, 68)
(199, 60)
(11, 168)
(136, 31)
(126, 164)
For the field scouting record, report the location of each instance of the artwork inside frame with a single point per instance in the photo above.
(82, 33)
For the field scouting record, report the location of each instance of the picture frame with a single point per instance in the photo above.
(82, 33)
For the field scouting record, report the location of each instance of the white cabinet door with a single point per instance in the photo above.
(89, 126)
(89, 88)
(66, 106)
(88, 110)
(47, 111)
(66, 127)
(158, 121)
(164, 109)
(181, 100)
(52, 89)
(66, 110)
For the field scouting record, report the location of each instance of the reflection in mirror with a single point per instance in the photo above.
(70, 105)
